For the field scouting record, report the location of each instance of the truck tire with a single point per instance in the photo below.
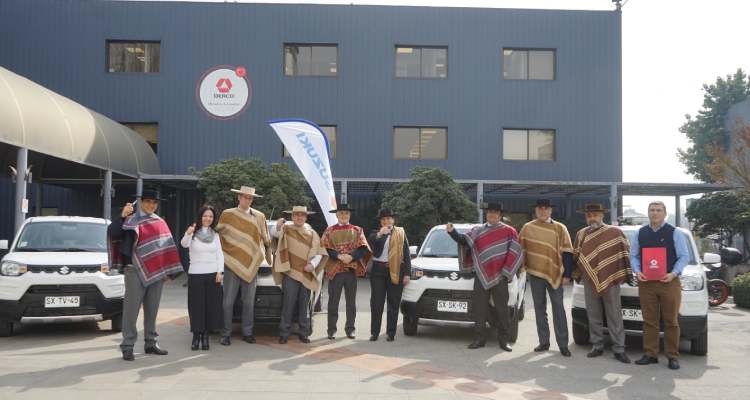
(581, 334)
(411, 325)
(117, 323)
(6, 328)
(699, 345)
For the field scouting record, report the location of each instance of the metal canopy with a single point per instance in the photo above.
(34, 117)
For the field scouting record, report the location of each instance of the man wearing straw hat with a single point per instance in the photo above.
(299, 258)
(244, 239)
(348, 253)
(602, 256)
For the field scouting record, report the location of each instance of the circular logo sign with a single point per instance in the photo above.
(224, 91)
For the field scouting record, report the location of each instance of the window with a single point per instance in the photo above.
(527, 64)
(132, 56)
(421, 62)
(310, 60)
(330, 132)
(529, 144)
(421, 143)
(148, 130)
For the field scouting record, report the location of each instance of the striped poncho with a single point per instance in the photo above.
(543, 244)
(154, 254)
(602, 257)
(296, 246)
(493, 252)
(245, 241)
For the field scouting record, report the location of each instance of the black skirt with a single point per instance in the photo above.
(204, 303)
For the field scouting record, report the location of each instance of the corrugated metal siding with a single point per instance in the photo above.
(61, 44)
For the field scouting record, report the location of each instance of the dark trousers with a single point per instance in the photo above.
(346, 281)
(539, 290)
(481, 300)
(383, 288)
(296, 298)
(204, 303)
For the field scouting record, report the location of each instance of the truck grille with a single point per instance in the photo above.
(74, 269)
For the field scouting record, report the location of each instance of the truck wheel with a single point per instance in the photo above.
(699, 345)
(117, 323)
(513, 328)
(581, 334)
(6, 328)
(410, 325)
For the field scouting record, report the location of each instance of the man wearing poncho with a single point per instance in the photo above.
(602, 261)
(298, 260)
(348, 253)
(141, 246)
(244, 239)
(493, 252)
(548, 258)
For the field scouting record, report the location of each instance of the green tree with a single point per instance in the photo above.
(721, 213)
(280, 187)
(430, 198)
(707, 130)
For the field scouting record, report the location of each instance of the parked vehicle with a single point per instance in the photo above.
(693, 316)
(56, 270)
(439, 292)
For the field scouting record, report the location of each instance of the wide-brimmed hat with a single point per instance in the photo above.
(593, 207)
(246, 190)
(386, 212)
(493, 206)
(299, 209)
(151, 194)
(342, 207)
(543, 203)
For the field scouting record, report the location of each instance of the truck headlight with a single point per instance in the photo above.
(9, 268)
(416, 273)
(691, 282)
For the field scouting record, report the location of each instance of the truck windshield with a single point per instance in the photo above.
(439, 244)
(63, 237)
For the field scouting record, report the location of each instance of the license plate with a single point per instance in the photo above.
(62, 301)
(630, 314)
(453, 306)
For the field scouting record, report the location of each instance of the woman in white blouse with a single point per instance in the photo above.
(205, 274)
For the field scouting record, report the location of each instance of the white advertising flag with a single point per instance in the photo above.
(308, 147)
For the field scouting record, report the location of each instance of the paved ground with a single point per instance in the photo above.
(83, 362)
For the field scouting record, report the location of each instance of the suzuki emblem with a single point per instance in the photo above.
(64, 270)
(453, 276)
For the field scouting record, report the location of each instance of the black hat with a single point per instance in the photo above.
(342, 207)
(385, 212)
(593, 207)
(543, 203)
(151, 194)
(493, 206)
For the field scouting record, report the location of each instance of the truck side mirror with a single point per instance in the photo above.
(4, 244)
(413, 251)
(711, 258)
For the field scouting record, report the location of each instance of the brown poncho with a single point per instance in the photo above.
(245, 242)
(602, 257)
(543, 244)
(294, 249)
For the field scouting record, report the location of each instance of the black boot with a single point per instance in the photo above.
(155, 349)
(127, 355)
(477, 343)
(204, 341)
(196, 341)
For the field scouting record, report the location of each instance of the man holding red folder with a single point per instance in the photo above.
(658, 255)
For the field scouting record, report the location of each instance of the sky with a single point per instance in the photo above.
(670, 49)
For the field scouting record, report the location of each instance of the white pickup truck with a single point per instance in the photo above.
(56, 270)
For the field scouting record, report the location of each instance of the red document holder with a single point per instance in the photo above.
(654, 263)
